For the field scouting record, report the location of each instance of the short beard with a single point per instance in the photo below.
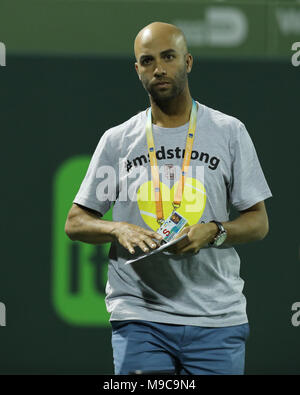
(177, 88)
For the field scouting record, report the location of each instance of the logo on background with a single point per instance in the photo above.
(288, 20)
(220, 27)
(2, 54)
(79, 269)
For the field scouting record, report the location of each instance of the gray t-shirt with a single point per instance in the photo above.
(203, 289)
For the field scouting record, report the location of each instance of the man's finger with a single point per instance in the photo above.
(186, 229)
(188, 248)
(143, 246)
(182, 243)
(150, 242)
(152, 234)
(157, 236)
(129, 247)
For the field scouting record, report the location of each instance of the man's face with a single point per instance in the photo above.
(162, 66)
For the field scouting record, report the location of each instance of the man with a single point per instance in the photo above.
(183, 311)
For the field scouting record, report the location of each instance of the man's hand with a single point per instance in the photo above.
(251, 225)
(199, 235)
(130, 235)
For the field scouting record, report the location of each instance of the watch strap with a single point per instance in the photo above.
(221, 230)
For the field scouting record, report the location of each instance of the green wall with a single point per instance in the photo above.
(53, 111)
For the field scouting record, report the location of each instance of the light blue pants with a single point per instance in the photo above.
(177, 349)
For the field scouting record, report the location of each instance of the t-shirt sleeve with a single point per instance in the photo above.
(248, 184)
(98, 189)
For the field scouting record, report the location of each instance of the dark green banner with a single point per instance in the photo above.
(213, 28)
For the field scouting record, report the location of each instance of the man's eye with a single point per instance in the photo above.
(146, 61)
(169, 56)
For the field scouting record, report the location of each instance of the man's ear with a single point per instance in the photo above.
(136, 66)
(189, 62)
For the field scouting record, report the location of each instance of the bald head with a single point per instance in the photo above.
(160, 34)
(162, 61)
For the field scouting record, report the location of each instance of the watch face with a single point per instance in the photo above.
(220, 239)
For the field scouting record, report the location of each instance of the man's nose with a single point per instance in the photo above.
(159, 70)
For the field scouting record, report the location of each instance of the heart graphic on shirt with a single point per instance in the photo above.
(192, 204)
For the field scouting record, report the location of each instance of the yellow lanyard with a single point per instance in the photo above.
(185, 163)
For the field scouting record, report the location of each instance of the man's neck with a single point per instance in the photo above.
(174, 113)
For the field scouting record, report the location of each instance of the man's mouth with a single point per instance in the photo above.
(162, 84)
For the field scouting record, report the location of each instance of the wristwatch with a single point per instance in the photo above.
(220, 236)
